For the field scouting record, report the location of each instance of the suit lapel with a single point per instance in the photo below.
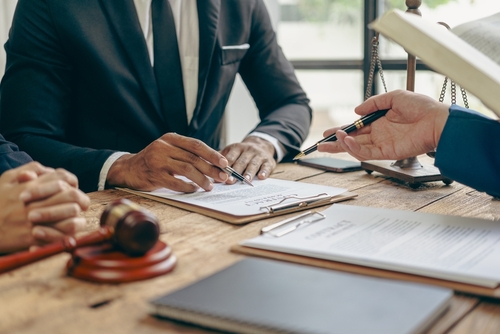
(123, 18)
(208, 17)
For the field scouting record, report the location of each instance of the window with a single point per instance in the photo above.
(329, 46)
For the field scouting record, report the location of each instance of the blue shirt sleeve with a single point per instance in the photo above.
(469, 150)
(10, 156)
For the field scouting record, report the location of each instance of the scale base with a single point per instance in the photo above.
(414, 175)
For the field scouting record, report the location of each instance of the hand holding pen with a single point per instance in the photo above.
(413, 126)
(365, 120)
(231, 172)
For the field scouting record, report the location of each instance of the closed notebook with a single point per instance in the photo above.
(267, 296)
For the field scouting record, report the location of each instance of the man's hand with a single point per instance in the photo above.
(38, 205)
(26, 172)
(157, 165)
(253, 156)
(412, 126)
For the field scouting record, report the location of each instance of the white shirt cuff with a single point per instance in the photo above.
(103, 175)
(280, 149)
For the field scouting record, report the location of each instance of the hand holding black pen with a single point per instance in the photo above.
(365, 120)
(231, 172)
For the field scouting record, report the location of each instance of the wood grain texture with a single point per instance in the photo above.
(466, 203)
(485, 318)
(41, 298)
(460, 306)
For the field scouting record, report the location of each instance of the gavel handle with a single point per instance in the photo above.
(68, 244)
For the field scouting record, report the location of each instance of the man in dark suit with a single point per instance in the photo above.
(87, 82)
(466, 141)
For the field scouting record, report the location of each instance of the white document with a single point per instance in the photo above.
(446, 247)
(241, 199)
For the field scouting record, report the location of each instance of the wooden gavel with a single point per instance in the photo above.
(132, 229)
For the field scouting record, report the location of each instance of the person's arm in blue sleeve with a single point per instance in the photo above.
(469, 150)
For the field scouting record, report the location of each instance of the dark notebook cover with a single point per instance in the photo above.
(267, 296)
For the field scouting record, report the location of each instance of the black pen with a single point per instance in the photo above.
(231, 172)
(365, 120)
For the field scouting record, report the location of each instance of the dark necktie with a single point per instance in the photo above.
(167, 67)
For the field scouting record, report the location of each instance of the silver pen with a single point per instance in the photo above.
(236, 175)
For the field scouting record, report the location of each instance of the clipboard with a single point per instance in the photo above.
(296, 221)
(351, 268)
(292, 204)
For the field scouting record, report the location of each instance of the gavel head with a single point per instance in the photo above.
(136, 230)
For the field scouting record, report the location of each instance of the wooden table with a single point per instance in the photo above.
(40, 298)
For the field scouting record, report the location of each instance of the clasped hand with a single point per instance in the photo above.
(39, 205)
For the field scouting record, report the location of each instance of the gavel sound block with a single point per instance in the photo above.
(126, 248)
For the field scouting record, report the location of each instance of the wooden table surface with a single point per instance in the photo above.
(40, 298)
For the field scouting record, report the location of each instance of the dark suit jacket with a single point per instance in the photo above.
(79, 83)
(10, 156)
(469, 150)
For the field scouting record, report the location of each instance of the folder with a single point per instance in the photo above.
(357, 269)
(321, 242)
(289, 197)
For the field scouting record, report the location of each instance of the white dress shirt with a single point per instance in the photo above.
(186, 26)
(185, 14)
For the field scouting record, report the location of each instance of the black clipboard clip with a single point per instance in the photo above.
(294, 222)
(299, 202)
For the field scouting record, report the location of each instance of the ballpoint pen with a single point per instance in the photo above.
(236, 175)
(365, 120)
